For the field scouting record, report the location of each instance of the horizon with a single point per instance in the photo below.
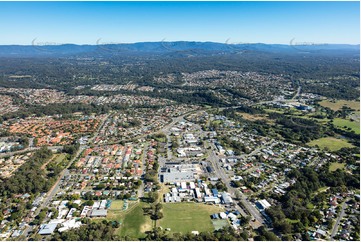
(85, 23)
(187, 41)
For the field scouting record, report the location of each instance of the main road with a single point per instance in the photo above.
(220, 172)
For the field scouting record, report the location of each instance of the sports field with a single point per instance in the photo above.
(187, 217)
(133, 223)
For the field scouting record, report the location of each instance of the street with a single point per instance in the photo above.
(335, 227)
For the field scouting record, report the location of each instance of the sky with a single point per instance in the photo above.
(53, 23)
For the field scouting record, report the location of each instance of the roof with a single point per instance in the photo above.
(222, 215)
(47, 228)
(264, 203)
(321, 232)
(226, 198)
(99, 212)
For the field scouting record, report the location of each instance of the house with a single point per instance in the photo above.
(232, 216)
(222, 215)
(16, 233)
(320, 233)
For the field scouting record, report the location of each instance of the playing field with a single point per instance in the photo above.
(133, 223)
(187, 217)
(341, 123)
(335, 165)
(331, 143)
(337, 105)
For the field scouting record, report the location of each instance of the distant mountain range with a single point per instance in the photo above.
(177, 47)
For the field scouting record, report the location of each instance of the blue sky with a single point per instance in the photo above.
(128, 22)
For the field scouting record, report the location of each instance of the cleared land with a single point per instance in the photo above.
(56, 158)
(337, 105)
(187, 217)
(331, 143)
(342, 123)
(255, 117)
(335, 165)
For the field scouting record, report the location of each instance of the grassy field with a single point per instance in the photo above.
(133, 223)
(186, 217)
(337, 105)
(219, 223)
(331, 143)
(255, 117)
(355, 126)
(60, 158)
(57, 158)
(335, 165)
(116, 205)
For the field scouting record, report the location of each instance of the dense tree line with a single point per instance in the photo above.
(66, 73)
(29, 178)
(293, 205)
(223, 234)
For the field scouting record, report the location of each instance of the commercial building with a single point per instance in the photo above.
(98, 213)
(178, 173)
(47, 229)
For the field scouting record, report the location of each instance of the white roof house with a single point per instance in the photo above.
(222, 215)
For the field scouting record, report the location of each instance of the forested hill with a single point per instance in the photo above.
(39, 49)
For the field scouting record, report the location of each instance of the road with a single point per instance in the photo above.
(297, 93)
(220, 172)
(144, 166)
(335, 227)
(54, 190)
(49, 196)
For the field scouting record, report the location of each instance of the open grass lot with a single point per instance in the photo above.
(254, 117)
(355, 126)
(337, 105)
(60, 158)
(186, 217)
(220, 223)
(116, 205)
(331, 143)
(133, 223)
(57, 158)
(335, 165)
